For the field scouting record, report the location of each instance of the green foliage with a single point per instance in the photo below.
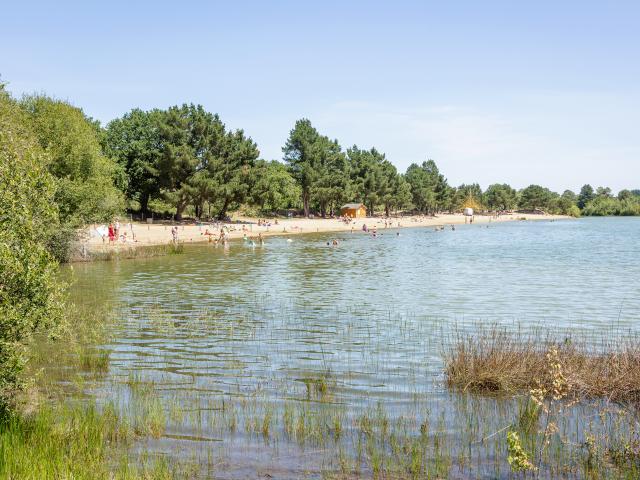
(134, 142)
(319, 166)
(585, 196)
(501, 197)
(429, 187)
(183, 155)
(30, 295)
(604, 205)
(535, 197)
(518, 459)
(85, 177)
(272, 187)
(375, 180)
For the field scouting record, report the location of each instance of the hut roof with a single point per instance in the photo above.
(353, 205)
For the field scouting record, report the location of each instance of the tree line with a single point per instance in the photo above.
(184, 160)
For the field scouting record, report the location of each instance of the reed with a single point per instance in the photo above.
(498, 361)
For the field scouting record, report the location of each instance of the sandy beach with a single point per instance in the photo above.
(143, 234)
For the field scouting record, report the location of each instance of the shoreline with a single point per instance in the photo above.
(147, 236)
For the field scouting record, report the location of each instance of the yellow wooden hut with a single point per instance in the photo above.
(354, 210)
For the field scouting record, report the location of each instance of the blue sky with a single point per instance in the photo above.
(517, 92)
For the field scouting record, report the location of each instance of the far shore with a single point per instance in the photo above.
(146, 235)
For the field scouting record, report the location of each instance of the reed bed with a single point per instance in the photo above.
(128, 252)
(504, 362)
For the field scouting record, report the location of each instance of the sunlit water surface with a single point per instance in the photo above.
(372, 316)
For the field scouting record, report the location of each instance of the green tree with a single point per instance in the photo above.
(189, 136)
(429, 188)
(400, 197)
(85, 177)
(372, 177)
(535, 197)
(134, 142)
(301, 154)
(585, 196)
(273, 188)
(30, 295)
(229, 168)
(567, 204)
(625, 194)
(332, 187)
(319, 167)
(501, 197)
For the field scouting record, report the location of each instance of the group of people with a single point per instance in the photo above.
(115, 234)
(264, 223)
(253, 241)
(222, 238)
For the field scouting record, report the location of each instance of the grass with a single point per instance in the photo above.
(307, 422)
(130, 252)
(94, 361)
(497, 361)
(63, 442)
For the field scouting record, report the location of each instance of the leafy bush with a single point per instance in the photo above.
(30, 295)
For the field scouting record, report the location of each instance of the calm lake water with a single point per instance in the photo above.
(259, 325)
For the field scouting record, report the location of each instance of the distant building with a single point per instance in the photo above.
(354, 210)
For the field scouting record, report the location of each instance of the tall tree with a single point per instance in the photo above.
(272, 187)
(332, 187)
(187, 136)
(318, 165)
(429, 188)
(301, 153)
(501, 197)
(134, 142)
(535, 197)
(229, 167)
(372, 177)
(585, 196)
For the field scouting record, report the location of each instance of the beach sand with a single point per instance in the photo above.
(160, 233)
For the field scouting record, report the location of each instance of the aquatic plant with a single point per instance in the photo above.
(498, 361)
(518, 458)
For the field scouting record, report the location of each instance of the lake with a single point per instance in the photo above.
(235, 349)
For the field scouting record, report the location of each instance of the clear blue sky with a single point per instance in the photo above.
(520, 92)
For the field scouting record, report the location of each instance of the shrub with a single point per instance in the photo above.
(30, 294)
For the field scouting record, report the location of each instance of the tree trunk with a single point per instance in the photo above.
(305, 202)
(179, 210)
(144, 204)
(223, 210)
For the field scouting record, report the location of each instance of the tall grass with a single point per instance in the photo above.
(497, 361)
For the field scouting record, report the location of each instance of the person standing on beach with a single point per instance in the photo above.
(112, 234)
